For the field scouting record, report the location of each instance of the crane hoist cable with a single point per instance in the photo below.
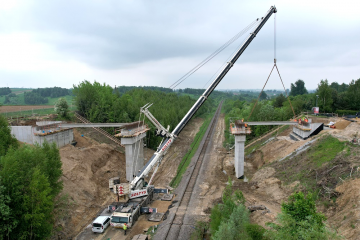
(275, 66)
(211, 56)
(226, 61)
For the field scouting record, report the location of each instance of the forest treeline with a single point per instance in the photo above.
(41, 95)
(11, 98)
(53, 92)
(5, 91)
(334, 97)
(124, 89)
(29, 188)
(34, 98)
(101, 103)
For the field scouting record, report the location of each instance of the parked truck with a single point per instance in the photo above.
(128, 212)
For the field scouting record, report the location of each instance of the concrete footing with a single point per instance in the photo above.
(308, 130)
(239, 155)
(134, 154)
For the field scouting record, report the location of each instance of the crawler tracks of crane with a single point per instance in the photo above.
(177, 229)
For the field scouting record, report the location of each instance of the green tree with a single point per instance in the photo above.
(325, 96)
(95, 101)
(263, 96)
(5, 91)
(61, 107)
(38, 205)
(6, 222)
(300, 207)
(6, 139)
(31, 178)
(230, 219)
(100, 103)
(300, 220)
(339, 88)
(34, 98)
(298, 88)
(353, 95)
(279, 101)
(234, 227)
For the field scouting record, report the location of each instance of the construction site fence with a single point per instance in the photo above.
(311, 113)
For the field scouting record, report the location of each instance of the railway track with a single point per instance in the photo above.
(179, 224)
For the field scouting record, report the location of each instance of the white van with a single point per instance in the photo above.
(100, 224)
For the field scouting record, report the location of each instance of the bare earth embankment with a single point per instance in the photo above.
(88, 166)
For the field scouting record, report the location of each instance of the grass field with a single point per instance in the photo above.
(28, 113)
(28, 110)
(14, 90)
(21, 101)
(68, 98)
(193, 148)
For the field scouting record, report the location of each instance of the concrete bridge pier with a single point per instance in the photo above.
(134, 154)
(239, 155)
(239, 129)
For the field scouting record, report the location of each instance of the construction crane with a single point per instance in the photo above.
(169, 137)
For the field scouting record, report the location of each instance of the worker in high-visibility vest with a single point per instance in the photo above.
(125, 227)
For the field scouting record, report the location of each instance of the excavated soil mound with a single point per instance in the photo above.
(348, 133)
(342, 124)
(263, 174)
(320, 120)
(274, 150)
(86, 173)
(82, 140)
(346, 217)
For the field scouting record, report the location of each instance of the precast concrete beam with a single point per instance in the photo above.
(271, 123)
(74, 125)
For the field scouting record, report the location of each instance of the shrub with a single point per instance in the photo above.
(62, 107)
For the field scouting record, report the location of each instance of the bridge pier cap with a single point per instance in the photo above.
(239, 128)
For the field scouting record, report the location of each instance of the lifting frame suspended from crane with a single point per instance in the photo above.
(136, 183)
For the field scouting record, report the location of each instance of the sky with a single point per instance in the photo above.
(154, 43)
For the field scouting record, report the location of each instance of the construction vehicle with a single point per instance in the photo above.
(138, 182)
(128, 212)
(138, 188)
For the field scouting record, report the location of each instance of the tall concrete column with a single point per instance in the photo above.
(239, 155)
(139, 152)
(134, 155)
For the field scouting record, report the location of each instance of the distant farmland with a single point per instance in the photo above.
(18, 108)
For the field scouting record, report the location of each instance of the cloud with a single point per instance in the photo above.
(156, 42)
